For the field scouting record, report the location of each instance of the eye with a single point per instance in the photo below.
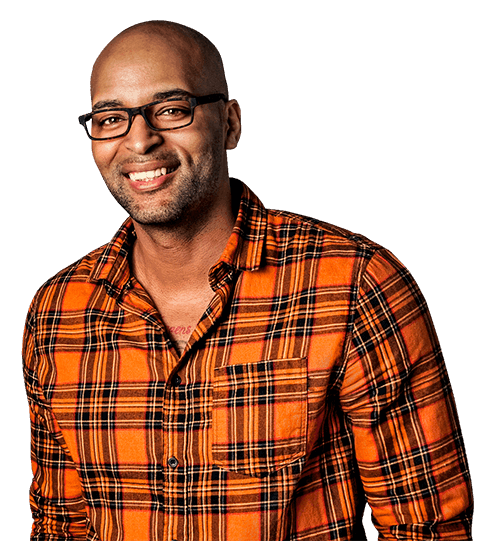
(173, 111)
(170, 113)
(109, 120)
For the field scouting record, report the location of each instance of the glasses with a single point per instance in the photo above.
(161, 115)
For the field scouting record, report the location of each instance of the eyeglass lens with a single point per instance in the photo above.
(166, 115)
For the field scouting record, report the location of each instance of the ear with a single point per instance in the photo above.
(233, 124)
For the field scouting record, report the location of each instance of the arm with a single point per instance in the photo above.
(56, 499)
(397, 397)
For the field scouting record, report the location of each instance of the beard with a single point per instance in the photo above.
(182, 199)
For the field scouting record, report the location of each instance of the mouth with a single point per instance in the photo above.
(150, 176)
(146, 181)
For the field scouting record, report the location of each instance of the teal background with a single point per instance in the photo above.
(380, 117)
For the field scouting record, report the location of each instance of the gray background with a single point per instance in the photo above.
(380, 117)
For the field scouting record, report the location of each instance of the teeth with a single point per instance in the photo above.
(149, 175)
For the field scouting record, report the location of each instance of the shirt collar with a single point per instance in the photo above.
(244, 249)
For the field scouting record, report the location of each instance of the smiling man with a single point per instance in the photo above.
(220, 371)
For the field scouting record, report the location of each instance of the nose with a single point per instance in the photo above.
(141, 138)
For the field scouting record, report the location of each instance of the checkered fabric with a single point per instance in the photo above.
(312, 384)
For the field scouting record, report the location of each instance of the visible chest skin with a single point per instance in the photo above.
(181, 312)
(180, 297)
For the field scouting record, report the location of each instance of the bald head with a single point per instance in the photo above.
(198, 57)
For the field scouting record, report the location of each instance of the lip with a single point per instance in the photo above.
(146, 166)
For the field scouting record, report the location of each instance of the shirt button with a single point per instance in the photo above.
(172, 462)
(177, 380)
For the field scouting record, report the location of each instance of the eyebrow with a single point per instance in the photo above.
(167, 94)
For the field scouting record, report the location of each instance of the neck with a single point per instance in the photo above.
(180, 256)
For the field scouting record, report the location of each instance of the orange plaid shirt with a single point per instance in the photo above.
(312, 383)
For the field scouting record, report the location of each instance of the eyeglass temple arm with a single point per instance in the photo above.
(211, 98)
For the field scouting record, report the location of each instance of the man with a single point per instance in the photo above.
(220, 371)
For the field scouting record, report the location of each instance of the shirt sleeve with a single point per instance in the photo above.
(56, 499)
(397, 398)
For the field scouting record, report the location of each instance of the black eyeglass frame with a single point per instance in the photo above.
(134, 111)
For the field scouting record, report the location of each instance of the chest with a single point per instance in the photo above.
(181, 311)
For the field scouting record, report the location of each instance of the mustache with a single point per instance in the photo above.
(169, 158)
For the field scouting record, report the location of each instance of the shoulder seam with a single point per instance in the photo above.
(364, 261)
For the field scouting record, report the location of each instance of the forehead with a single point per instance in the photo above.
(137, 67)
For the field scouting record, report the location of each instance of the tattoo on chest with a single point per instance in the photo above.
(180, 330)
(179, 335)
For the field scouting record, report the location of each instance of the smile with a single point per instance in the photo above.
(147, 176)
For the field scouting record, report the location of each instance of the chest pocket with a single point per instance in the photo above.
(260, 415)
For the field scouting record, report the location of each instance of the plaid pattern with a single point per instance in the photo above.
(313, 382)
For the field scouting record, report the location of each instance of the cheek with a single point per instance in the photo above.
(187, 140)
(201, 136)
(208, 146)
(103, 154)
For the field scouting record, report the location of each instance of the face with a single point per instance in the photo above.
(185, 170)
